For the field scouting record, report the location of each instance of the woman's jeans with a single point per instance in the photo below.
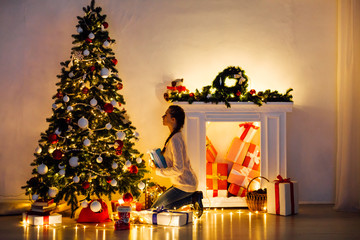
(173, 198)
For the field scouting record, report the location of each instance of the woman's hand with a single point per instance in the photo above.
(152, 165)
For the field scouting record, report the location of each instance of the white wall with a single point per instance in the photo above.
(280, 44)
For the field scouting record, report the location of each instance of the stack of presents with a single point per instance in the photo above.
(42, 213)
(243, 156)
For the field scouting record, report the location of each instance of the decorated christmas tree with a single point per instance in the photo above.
(88, 150)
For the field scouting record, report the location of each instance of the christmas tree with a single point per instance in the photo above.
(88, 149)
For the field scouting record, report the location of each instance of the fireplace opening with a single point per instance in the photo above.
(233, 159)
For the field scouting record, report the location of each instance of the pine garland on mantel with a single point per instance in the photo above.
(230, 85)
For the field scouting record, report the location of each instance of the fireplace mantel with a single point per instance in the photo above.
(272, 117)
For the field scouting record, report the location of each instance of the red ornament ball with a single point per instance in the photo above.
(128, 197)
(59, 95)
(108, 179)
(92, 68)
(119, 86)
(53, 138)
(133, 169)
(57, 154)
(85, 185)
(85, 90)
(68, 120)
(118, 152)
(252, 91)
(119, 144)
(114, 61)
(88, 40)
(108, 107)
(105, 24)
(191, 94)
(238, 93)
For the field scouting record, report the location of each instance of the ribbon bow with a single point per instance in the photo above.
(177, 88)
(280, 179)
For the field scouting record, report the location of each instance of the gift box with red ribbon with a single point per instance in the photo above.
(248, 131)
(237, 151)
(241, 176)
(282, 197)
(41, 220)
(252, 158)
(211, 152)
(237, 190)
(216, 179)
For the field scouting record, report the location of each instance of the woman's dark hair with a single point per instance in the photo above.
(178, 113)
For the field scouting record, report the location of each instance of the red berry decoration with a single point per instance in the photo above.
(108, 107)
(68, 120)
(105, 24)
(252, 91)
(92, 68)
(128, 197)
(53, 138)
(88, 40)
(114, 61)
(133, 169)
(238, 93)
(108, 179)
(119, 144)
(85, 185)
(191, 94)
(57, 154)
(85, 90)
(119, 86)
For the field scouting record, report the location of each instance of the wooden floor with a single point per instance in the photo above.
(313, 222)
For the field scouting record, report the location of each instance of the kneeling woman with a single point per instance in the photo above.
(182, 176)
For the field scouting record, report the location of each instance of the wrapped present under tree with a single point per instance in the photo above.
(216, 178)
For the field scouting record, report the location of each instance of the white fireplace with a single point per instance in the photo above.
(272, 120)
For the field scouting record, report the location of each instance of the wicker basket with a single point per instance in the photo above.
(256, 201)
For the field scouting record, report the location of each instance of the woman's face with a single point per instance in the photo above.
(167, 119)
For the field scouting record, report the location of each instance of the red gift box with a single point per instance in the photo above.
(248, 131)
(252, 158)
(211, 152)
(237, 190)
(216, 176)
(237, 151)
(241, 176)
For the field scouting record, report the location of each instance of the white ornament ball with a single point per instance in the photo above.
(113, 183)
(128, 163)
(87, 142)
(76, 179)
(51, 149)
(101, 87)
(86, 52)
(95, 206)
(108, 126)
(35, 197)
(84, 204)
(70, 108)
(141, 185)
(114, 165)
(93, 102)
(114, 103)
(106, 43)
(74, 161)
(83, 122)
(66, 98)
(99, 159)
(60, 166)
(120, 135)
(91, 36)
(79, 30)
(54, 106)
(104, 72)
(62, 172)
(57, 132)
(38, 149)
(136, 134)
(138, 160)
(71, 74)
(52, 192)
(42, 169)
